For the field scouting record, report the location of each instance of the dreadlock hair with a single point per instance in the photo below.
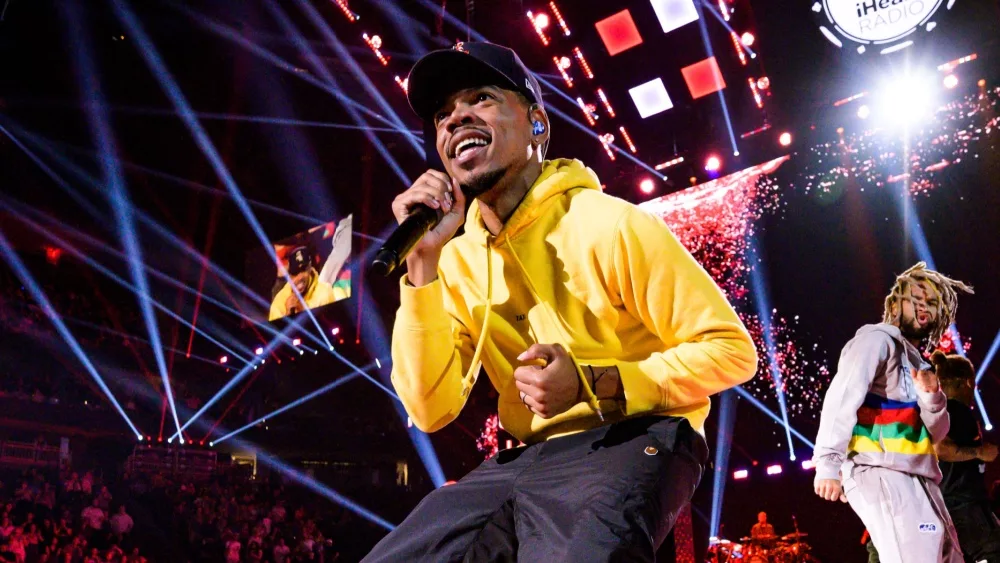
(946, 287)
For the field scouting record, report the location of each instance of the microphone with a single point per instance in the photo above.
(421, 219)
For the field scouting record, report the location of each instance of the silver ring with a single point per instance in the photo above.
(523, 402)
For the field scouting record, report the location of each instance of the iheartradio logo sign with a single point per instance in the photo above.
(885, 26)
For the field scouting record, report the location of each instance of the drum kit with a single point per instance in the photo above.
(761, 549)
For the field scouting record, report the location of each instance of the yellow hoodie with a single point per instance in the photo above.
(573, 266)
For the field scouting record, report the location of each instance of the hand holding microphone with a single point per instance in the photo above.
(432, 194)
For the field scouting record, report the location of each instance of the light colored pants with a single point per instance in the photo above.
(905, 515)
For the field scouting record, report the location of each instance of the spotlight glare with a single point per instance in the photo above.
(565, 63)
(224, 359)
(378, 363)
(647, 186)
(542, 21)
(296, 341)
(741, 474)
(864, 112)
(747, 39)
(259, 350)
(906, 100)
(335, 331)
(139, 437)
(950, 81)
(808, 464)
(211, 444)
(713, 164)
(785, 139)
(774, 469)
(989, 427)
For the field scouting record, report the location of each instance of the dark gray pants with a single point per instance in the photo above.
(607, 494)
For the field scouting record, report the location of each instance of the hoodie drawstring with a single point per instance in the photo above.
(470, 378)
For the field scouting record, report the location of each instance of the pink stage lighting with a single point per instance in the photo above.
(647, 186)
(774, 470)
(713, 164)
(741, 474)
(223, 359)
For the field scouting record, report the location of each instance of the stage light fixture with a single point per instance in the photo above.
(562, 71)
(864, 112)
(224, 359)
(703, 78)
(542, 21)
(785, 139)
(647, 186)
(739, 47)
(628, 139)
(669, 163)
(808, 464)
(741, 474)
(564, 63)
(538, 29)
(618, 32)
(606, 141)
(651, 98)
(335, 330)
(559, 18)
(674, 13)
(587, 114)
(747, 39)
(763, 83)
(950, 81)
(378, 363)
(296, 341)
(607, 104)
(259, 350)
(403, 83)
(713, 164)
(774, 469)
(981, 83)
(583, 63)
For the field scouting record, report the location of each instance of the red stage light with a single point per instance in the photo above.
(375, 44)
(223, 359)
(296, 341)
(53, 254)
(774, 469)
(740, 474)
(607, 104)
(335, 331)
(713, 164)
(586, 111)
(583, 62)
(747, 39)
(559, 18)
(785, 139)
(738, 47)
(606, 141)
(562, 71)
(351, 16)
(542, 21)
(647, 186)
(628, 140)
(669, 163)
(618, 32)
(403, 83)
(756, 94)
(538, 28)
(703, 78)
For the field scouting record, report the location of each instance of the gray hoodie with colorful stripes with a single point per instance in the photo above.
(873, 413)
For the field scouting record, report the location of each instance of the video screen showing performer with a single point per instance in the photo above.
(314, 261)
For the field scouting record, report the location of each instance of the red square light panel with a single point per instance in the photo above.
(619, 32)
(703, 78)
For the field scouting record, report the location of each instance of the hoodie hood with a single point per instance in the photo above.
(558, 177)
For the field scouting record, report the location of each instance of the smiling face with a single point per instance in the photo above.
(484, 136)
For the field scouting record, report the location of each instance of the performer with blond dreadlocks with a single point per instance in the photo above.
(881, 418)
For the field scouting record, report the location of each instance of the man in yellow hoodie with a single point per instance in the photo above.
(602, 335)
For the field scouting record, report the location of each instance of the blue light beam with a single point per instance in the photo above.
(39, 296)
(173, 92)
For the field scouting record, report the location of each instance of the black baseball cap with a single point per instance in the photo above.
(467, 65)
(299, 260)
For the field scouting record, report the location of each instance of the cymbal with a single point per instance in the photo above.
(794, 535)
